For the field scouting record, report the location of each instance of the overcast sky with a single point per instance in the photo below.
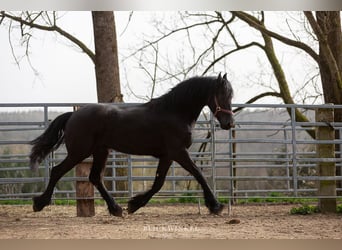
(64, 75)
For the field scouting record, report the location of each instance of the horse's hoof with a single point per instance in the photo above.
(131, 207)
(116, 211)
(37, 204)
(217, 210)
(35, 208)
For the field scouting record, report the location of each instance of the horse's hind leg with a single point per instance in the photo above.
(95, 177)
(57, 172)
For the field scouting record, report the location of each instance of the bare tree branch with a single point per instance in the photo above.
(11, 45)
(171, 33)
(53, 28)
(128, 22)
(239, 47)
(330, 59)
(255, 23)
(255, 98)
(153, 75)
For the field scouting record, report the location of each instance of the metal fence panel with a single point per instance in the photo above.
(267, 154)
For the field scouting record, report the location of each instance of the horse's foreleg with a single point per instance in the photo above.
(211, 202)
(57, 172)
(141, 200)
(96, 176)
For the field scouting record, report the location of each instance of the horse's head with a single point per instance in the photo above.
(220, 103)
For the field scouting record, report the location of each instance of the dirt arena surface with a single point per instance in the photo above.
(168, 222)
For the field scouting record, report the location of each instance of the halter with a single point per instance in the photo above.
(219, 109)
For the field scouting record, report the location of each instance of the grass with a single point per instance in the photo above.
(15, 202)
(311, 209)
(305, 209)
(339, 208)
(274, 198)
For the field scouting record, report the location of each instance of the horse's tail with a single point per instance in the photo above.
(50, 140)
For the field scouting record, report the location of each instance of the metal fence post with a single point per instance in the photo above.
(49, 158)
(294, 152)
(326, 167)
(213, 152)
(287, 156)
(232, 173)
(130, 175)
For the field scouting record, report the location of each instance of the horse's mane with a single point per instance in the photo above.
(186, 95)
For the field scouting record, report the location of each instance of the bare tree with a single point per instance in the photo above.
(327, 29)
(222, 41)
(105, 59)
(326, 26)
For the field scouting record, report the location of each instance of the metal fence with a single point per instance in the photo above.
(267, 154)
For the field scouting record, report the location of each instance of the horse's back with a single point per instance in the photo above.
(87, 117)
(131, 129)
(85, 126)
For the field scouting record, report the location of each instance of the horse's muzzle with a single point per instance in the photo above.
(227, 126)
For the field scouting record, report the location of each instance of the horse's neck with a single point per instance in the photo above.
(185, 104)
(191, 110)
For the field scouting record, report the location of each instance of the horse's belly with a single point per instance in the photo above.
(137, 143)
(137, 150)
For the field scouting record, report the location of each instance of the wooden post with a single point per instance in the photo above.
(85, 190)
(326, 168)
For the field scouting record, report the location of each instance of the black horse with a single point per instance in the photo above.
(161, 128)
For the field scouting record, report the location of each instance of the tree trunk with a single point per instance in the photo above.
(107, 72)
(106, 57)
(282, 82)
(330, 25)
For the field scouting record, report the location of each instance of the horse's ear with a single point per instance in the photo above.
(219, 78)
(225, 76)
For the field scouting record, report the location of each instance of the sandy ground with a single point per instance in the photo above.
(165, 221)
